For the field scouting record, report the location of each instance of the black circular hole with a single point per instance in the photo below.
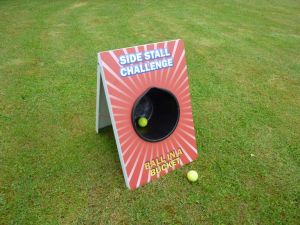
(161, 109)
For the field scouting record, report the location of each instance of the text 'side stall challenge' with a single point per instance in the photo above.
(143, 92)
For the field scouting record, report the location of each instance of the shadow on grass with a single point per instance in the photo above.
(107, 160)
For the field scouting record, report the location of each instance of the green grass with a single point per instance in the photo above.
(244, 67)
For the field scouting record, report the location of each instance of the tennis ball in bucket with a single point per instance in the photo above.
(143, 122)
(192, 176)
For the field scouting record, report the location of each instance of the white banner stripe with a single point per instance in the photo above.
(118, 89)
(185, 153)
(179, 77)
(142, 167)
(116, 76)
(118, 99)
(180, 161)
(173, 54)
(187, 143)
(188, 134)
(150, 164)
(133, 169)
(184, 82)
(131, 155)
(129, 147)
(117, 61)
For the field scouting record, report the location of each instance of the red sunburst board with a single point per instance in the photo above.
(117, 91)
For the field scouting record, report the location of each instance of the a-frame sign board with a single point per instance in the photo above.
(149, 81)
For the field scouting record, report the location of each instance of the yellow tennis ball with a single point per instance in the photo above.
(143, 122)
(192, 176)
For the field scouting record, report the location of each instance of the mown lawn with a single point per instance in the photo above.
(244, 67)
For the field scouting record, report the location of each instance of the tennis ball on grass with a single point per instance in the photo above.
(143, 122)
(192, 176)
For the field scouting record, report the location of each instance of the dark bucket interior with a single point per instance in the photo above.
(161, 109)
